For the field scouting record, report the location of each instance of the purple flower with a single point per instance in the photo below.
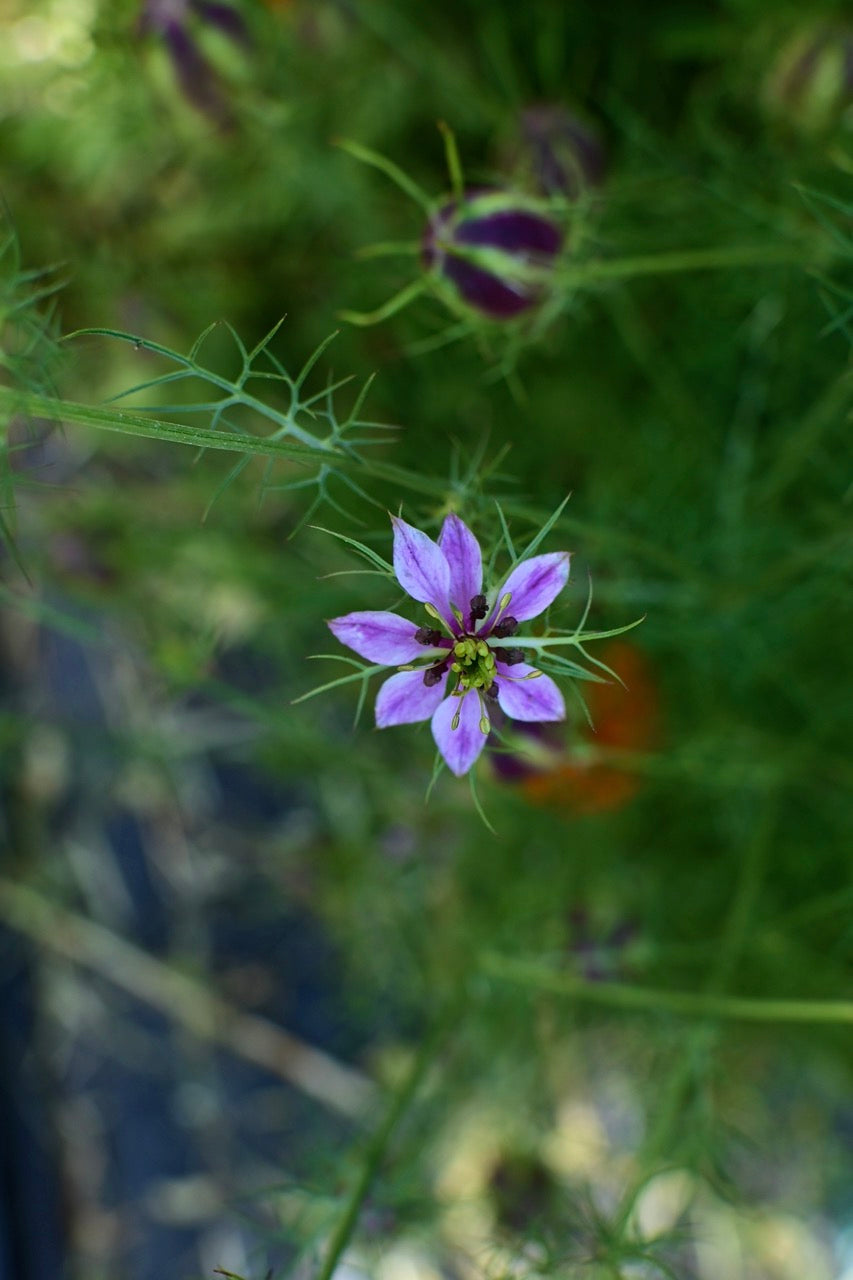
(497, 249)
(173, 20)
(563, 154)
(459, 664)
(600, 954)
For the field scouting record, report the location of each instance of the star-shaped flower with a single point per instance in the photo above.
(466, 667)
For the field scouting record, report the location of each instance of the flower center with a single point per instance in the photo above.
(471, 659)
(474, 663)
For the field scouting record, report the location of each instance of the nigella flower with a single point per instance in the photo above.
(458, 666)
(491, 255)
(174, 20)
(497, 250)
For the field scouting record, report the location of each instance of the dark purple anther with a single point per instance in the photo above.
(496, 249)
(506, 627)
(427, 635)
(479, 607)
(432, 675)
(510, 656)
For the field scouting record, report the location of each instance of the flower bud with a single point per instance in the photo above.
(496, 249)
(556, 152)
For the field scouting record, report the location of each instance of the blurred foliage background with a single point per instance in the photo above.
(203, 884)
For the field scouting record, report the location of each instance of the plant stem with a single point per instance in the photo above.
(33, 405)
(617, 995)
(747, 255)
(378, 1145)
(187, 1000)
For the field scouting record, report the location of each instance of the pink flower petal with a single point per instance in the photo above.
(535, 583)
(405, 699)
(421, 566)
(466, 564)
(378, 636)
(536, 699)
(460, 746)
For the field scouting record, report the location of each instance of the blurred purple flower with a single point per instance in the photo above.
(174, 21)
(544, 743)
(600, 955)
(466, 646)
(558, 152)
(497, 249)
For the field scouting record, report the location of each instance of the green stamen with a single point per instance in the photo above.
(433, 613)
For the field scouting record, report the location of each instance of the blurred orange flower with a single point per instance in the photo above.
(578, 775)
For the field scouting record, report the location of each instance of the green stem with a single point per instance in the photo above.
(390, 308)
(432, 486)
(688, 260)
(185, 999)
(617, 995)
(389, 249)
(386, 166)
(750, 876)
(33, 405)
(698, 1043)
(454, 165)
(378, 1145)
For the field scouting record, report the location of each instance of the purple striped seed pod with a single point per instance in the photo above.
(496, 249)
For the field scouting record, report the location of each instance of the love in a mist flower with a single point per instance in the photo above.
(493, 255)
(495, 249)
(458, 666)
